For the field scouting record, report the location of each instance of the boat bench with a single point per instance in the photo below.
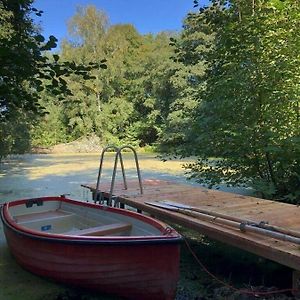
(42, 216)
(54, 215)
(102, 230)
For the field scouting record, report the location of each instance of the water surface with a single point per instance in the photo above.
(52, 175)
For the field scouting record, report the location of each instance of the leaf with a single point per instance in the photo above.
(56, 57)
(39, 38)
(62, 81)
(54, 82)
(56, 92)
(52, 38)
(39, 88)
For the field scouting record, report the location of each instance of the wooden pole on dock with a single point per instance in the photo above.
(262, 224)
(227, 221)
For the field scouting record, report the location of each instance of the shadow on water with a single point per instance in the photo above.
(51, 175)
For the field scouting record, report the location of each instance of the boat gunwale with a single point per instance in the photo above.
(168, 234)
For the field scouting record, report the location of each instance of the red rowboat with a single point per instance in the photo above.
(107, 249)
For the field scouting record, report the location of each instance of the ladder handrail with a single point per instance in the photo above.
(136, 164)
(101, 164)
(118, 154)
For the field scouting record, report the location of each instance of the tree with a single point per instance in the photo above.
(91, 109)
(25, 71)
(187, 81)
(149, 88)
(128, 101)
(20, 56)
(248, 118)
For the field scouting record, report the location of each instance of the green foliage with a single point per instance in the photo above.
(17, 46)
(248, 112)
(230, 90)
(128, 101)
(19, 57)
(187, 81)
(14, 135)
(50, 129)
(25, 71)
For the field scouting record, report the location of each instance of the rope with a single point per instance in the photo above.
(242, 291)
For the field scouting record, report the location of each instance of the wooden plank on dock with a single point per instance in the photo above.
(244, 207)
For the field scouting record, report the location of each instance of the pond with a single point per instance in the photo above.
(29, 176)
(43, 175)
(52, 175)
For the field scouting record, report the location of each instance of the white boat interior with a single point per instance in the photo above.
(66, 218)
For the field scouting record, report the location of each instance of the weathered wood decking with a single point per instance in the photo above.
(244, 207)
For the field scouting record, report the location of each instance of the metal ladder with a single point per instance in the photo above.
(98, 195)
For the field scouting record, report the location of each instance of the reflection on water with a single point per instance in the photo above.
(51, 175)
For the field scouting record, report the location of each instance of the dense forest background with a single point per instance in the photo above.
(224, 90)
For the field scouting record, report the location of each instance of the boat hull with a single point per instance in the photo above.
(131, 269)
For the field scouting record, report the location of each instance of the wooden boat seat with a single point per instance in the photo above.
(41, 216)
(102, 230)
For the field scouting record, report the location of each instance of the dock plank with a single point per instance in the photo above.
(244, 207)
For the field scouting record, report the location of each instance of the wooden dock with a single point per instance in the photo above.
(232, 205)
